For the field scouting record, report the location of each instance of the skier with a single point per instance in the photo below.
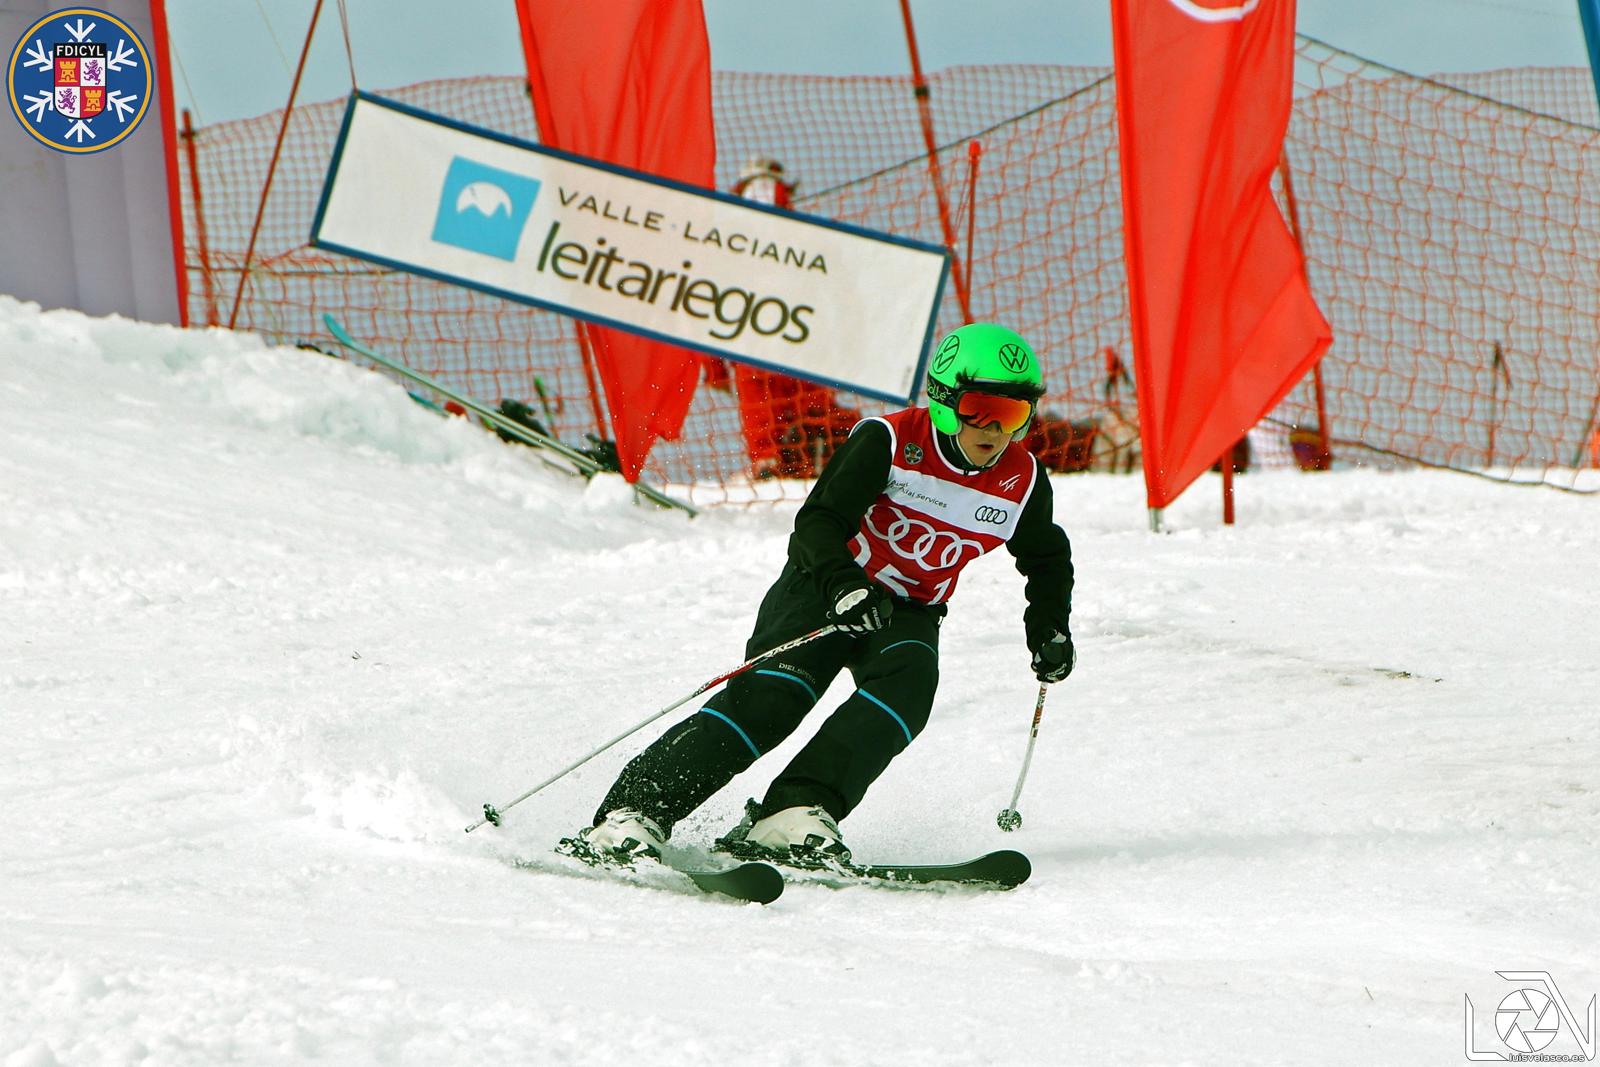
(909, 499)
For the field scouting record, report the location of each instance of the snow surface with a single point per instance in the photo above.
(271, 633)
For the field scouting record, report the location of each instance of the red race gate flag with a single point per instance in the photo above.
(1223, 321)
(628, 82)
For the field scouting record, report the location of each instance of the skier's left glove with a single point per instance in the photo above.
(1054, 657)
(861, 606)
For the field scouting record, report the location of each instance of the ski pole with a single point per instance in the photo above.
(493, 814)
(1011, 818)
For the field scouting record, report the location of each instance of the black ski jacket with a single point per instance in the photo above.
(857, 475)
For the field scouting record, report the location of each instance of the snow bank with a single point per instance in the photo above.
(271, 633)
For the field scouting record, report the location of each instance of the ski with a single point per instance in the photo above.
(758, 882)
(1005, 869)
(584, 464)
(748, 880)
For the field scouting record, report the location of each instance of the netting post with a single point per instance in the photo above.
(974, 153)
(277, 149)
(162, 44)
(1323, 437)
(1227, 485)
(1589, 439)
(1497, 370)
(1116, 377)
(586, 353)
(925, 113)
(203, 247)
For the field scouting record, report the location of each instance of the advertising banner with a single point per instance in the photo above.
(838, 304)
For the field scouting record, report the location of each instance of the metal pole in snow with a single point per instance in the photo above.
(1227, 486)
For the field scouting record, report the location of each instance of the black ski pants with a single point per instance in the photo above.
(896, 671)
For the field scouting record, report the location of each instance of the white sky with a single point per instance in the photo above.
(236, 57)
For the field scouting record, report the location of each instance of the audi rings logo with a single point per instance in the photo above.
(1014, 358)
(931, 549)
(998, 516)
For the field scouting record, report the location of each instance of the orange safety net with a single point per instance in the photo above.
(1452, 240)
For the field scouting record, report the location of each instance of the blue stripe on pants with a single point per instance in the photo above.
(796, 679)
(892, 713)
(742, 735)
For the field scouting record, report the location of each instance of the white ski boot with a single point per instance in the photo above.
(800, 832)
(622, 836)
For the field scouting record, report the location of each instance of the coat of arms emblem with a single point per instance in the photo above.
(80, 80)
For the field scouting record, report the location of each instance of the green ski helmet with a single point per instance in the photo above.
(984, 358)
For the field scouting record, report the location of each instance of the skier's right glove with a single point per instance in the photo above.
(861, 606)
(1054, 657)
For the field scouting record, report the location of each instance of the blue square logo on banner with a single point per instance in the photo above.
(483, 208)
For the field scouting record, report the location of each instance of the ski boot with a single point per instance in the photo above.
(805, 837)
(617, 840)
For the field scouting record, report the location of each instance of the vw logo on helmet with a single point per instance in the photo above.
(946, 354)
(998, 516)
(1014, 358)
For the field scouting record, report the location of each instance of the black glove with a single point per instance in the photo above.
(1054, 657)
(861, 606)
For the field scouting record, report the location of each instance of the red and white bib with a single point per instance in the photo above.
(934, 518)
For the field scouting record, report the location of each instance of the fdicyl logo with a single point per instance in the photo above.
(483, 208)
(1529, 1019)
(79, 80)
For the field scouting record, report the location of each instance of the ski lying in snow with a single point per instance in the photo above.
(1005, 869)
(584, 464)
(750, 880)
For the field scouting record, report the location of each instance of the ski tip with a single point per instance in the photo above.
(1011, 867)
(765, 884)
(757, 882)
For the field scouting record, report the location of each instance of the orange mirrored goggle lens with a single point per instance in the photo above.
(981, 409)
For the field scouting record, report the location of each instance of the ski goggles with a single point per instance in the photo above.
(981, 409)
